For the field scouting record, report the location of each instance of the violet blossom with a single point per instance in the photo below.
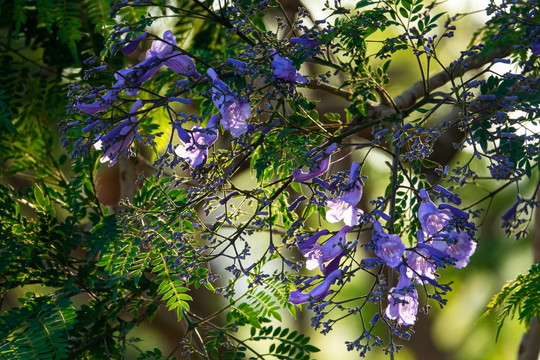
(344, 208)
(306, 42)
(133, 44)
(233, 111)
(105, 102)
(174, 60)
(402, 301)
(318, 292)
(390, 248)
(420, 266)
(195, 151)
(461, 250)
(285, 70)
(316, 170)
(162, 52)
(317, 255)
(432, 219)
(119, 138)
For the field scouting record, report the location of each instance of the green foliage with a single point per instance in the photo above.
(98, 12)
(520, 298)
(5, 121)
(38, 329)
(285, 344)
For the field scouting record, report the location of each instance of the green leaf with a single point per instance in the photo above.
(404, 12)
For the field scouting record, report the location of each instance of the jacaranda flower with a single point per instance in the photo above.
(105, 102)
(318, 292)
(196, 150)
(317, 255)
(432, 219)
(462, 250)
(133, 44)
(233, 111)
(420, 265)
(174, 60)
(390, 248)
(344, 208)
(402, 301)
(318, 169)
(119, 138)
(285, 70)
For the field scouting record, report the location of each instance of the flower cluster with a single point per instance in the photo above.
(439, 243)
(343, 209)
(445, 238)
(234, 110)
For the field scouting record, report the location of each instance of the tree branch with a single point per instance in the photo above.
(410, 96)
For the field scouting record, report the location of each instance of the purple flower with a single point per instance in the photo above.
(174, 60)
(181, 64)
(317, 170)
(535, 48)
(196, 150)
(402, 301)
(318, 292)
(306, 42)
(317, 255)
(306, 245)
(233, 111)
(390, 248)
(285, 70)
(133, 44)
(458, 213)
(162, 52)
(105, 102)
(419, 265)
(432, 219)
(344, 208)
(511, 213)
(462, 250)
(119, 138)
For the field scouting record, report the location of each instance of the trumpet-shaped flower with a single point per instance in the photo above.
(173, 59)
(420, 266)
(233, 112)
(285, 70)
(432, 219)
(402, 301)
(119, 138)
(390, 248)
(133, 44)
(462, 250)
(317, 255)
(195, 151)
(162, 52)
(318, 292)
(317, 170)
(344, 208)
